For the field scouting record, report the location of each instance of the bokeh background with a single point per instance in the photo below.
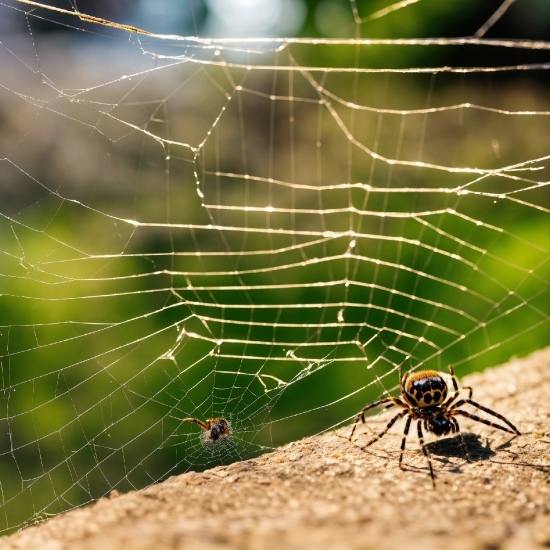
(182, 236)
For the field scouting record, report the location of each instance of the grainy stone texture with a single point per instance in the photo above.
(324, 492)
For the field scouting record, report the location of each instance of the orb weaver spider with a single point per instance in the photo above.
(424, 398)
(215, 428)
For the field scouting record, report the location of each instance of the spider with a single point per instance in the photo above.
(215, 428)
(424, 398)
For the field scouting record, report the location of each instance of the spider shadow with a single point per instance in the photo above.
(450, 448)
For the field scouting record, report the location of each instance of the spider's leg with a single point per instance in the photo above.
(455, 394)
(197, 421)
(385, 430)
(454, 421)
(483, 421)
(488, 411)
(404, 440)
(425, 451)
(453, 378)
(393, 402)
(470, 390)
(457, 389)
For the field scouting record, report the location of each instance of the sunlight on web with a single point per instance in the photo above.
(264, 230)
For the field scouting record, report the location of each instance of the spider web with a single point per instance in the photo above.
(243, 228)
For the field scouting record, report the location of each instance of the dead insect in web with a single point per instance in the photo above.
(215, 429)
(424, 398)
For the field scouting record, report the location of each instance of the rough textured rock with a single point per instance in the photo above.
(324, 492)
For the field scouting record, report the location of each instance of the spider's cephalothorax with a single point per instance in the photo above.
(219, 427)
(439, 424)
(424, 398)
(215, 428)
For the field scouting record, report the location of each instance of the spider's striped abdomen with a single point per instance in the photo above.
(425, 388)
